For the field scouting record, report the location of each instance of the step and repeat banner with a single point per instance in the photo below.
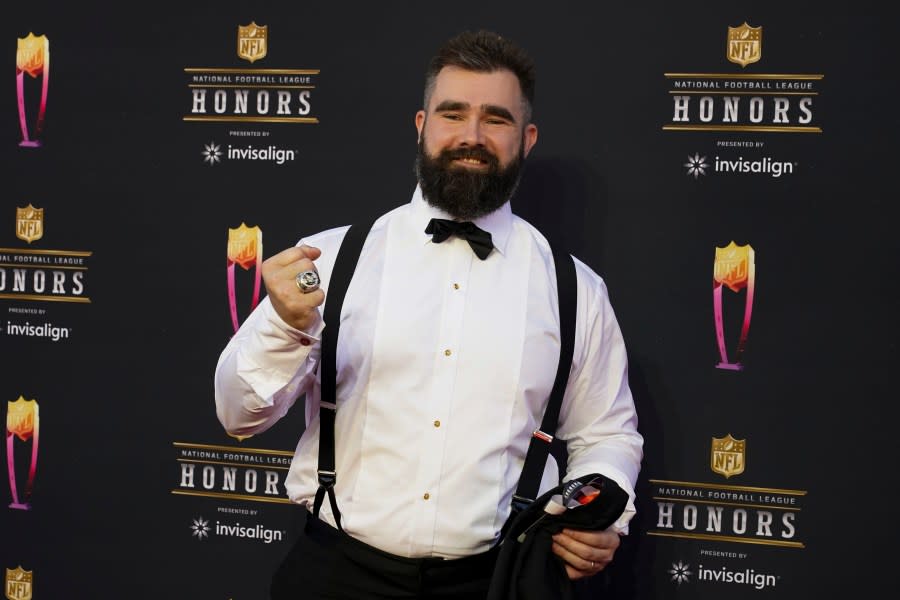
(728, 170)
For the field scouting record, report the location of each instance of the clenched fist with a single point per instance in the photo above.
(279, 273)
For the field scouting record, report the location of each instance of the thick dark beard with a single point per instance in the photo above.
(466, 195)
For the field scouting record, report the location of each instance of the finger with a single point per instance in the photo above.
(293, 254)
(596, 547)
(576, 547)
(601, 539)
(576, 567)
(311, 252)
(285, 277)
(577, 562)
(282, 286)
(290, 270)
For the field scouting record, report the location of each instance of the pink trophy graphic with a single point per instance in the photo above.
(244, 249)
(22, 421)
(735, 269)
(33, 58)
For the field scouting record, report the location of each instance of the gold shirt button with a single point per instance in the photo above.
(426, 496)
(437, 423)
(447, 352)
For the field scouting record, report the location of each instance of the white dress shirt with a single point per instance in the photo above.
(445, 363)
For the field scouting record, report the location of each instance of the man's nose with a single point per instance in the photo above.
(473, 133)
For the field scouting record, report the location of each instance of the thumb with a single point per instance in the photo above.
(311, 252)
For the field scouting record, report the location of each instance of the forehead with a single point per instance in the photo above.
(476, 88)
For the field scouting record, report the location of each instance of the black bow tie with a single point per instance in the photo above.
(479, 239)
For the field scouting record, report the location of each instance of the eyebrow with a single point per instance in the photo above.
(489, 109)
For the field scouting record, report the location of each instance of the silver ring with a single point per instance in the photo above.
(593, 565)
(307, 281)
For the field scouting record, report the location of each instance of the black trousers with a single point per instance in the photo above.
(328, 564)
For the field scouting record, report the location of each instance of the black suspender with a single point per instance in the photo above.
(539, 446)
(344, 266)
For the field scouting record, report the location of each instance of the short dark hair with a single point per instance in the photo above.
(485, 52)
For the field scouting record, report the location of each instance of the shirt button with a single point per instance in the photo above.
(426, 496)
(437, 423)
(455, 286)
(447, 352)
(304, 342)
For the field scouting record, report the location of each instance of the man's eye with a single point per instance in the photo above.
(452, 116)
(496, 122)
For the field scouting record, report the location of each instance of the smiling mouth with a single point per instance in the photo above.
(471, 162)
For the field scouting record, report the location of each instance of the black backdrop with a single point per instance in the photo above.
(126, 415)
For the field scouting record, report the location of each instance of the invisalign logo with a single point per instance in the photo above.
(747, 576)
(46, 330)
(257, 532)
(696, 166)
(270, 153)
(213, 154)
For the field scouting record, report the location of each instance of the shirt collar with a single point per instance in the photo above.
(497, 223)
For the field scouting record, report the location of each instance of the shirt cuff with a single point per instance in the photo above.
(306, 338)
(276, 354)
(621, 524)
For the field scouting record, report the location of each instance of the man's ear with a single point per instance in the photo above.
(529, 137)
(420, 123)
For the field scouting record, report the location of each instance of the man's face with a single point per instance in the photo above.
(472, 140)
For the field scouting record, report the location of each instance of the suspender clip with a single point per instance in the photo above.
(520, 503)
(544, 437)
(326, 478)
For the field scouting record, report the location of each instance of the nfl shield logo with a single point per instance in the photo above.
(744, 44)
(727, 456)
(732, 266)
(252, 41)
(243, 245)
(18, 584)
(29, 223)
(32, 54)
(21, 417)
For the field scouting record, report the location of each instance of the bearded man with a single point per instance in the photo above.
(448, 348)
